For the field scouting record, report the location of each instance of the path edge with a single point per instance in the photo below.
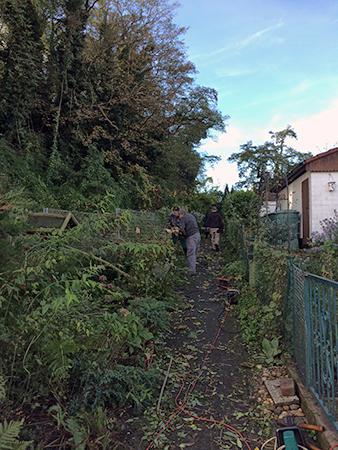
(313, 411)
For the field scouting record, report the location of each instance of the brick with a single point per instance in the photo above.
(287, 387)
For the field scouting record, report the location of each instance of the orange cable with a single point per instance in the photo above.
(180, 406)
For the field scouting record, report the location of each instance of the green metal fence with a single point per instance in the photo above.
(311, 326)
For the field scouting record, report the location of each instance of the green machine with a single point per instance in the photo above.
(291, 437)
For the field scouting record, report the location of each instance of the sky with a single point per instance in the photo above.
(274, 63)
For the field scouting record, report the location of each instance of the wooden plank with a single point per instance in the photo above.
(54, 215)
(66, 221)
(41, 230)
(55, 211)
(75, 220)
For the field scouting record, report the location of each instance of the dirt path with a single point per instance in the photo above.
(210, 385)
(214, 381)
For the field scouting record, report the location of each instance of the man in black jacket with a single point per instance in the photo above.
(188, 225)
(215, 225)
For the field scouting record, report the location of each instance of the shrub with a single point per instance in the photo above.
(241, 214)
(80, 312)
(329, 230)
(236, 268)
(270, 272)
(257, 321)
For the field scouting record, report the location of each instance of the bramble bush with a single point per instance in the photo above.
(79, 314)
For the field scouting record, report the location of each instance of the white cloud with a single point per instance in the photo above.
(256, 36)
(245, 41)
(223, 172)
(319, 131)
(226, 143)
(277, 40)
(234, 73)
(316, 133)
(302, 87)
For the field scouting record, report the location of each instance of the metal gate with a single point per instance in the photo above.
(312, 321)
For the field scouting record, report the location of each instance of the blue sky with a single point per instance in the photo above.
(273, 63)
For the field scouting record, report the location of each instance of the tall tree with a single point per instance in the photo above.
(108, 78)
(262, 167)
(22, 60)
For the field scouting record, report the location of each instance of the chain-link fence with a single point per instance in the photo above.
(125, 224)
(142, 225)
(311, 328)
(295, 321)
(283, 229)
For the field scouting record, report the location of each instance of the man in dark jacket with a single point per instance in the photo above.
(176, 233)
(215, 225)
(188, 225)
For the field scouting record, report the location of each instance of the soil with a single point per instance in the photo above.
(216, 381)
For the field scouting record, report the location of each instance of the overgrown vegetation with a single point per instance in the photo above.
(260, 270)
(81, 313)
(99, 110)
(99, 95)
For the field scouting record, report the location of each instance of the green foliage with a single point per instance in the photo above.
(22, 67)
(125, 119)
(78, 432)
(270, 349)
(2, 388)
(93, 308)
(120, 386)
(143, 264)
(241, 216)
(203, 198)
(85, 428)
(258, 321)
(9, 436)
(92, 119)
(260, 305)
(243, 206)
(320, 260)
(263, 167)
(328, 261)
(269, 272)
(235, 268)
(153, 313)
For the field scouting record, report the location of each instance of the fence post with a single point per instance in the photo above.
(308, 330)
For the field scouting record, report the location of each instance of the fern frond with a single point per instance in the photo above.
(9, 433)
(22, 445)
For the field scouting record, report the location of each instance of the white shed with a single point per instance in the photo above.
(313, 191)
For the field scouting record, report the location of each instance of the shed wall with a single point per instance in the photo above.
(322, 201)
